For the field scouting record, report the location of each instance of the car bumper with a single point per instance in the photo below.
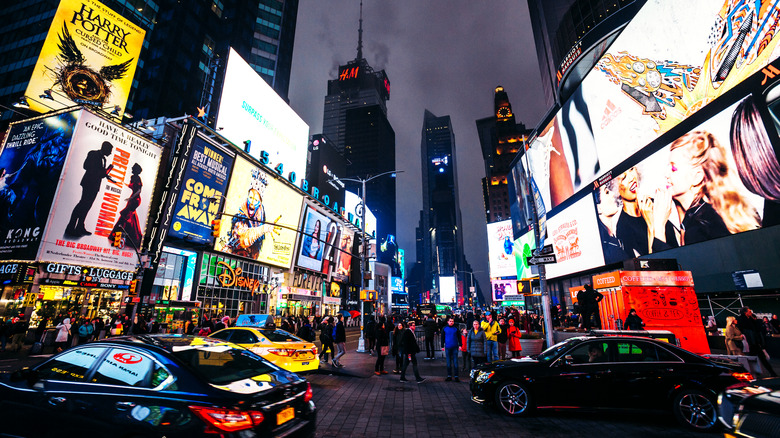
(480, 393)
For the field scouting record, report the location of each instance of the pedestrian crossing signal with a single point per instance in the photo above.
(215, 227)
(118, 239)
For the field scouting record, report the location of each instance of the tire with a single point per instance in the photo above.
(513, 399)
(695, 410)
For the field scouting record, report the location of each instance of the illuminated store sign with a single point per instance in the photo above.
(231, 277)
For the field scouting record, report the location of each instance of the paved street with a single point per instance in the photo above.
(356, 403)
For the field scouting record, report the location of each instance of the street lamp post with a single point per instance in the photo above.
(364, 249)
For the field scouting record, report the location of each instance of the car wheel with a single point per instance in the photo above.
(695, 409)
(513, 399)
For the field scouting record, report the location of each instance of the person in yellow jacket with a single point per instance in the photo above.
(492, 329)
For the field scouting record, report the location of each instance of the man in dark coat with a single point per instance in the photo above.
(749, 326)
(588, 300)
(370, 334)
(340, 339)
(95, 170)
(408, 351)
(430, 328)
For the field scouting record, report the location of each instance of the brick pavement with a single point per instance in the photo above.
(353, 402)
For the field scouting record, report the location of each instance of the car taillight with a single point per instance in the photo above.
(309, 393)
(314, 350)
(743, 377)
(228, 420)
(282, 352)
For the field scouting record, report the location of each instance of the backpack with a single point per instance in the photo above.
(84, 330)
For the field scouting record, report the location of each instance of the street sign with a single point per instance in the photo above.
(546, 250)
(541, 260)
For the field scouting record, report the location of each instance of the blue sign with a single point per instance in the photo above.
(397, 284)
(202, 192)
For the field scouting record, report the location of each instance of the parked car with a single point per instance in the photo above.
(609, 372)
(751, 410)
(156, 385)
(259, 334)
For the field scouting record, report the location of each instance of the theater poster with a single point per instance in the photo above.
(89, 57)
(106, 187)
(202, 192)
(30, 165)
(260, 219)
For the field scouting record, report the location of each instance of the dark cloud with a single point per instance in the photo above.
(444, 55)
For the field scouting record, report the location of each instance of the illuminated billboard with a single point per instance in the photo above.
(503, 287)
(574, 236)
(344, 262)
(524, 247)
(89, 57)
(446, 289)
(260, 216)
(106, 188)
(501, 249)
(353, 206)
(326, 168)
(312, 239)
(202, 192)
(30, 165)
(250, 110)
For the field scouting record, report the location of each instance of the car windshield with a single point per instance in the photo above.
(553, 352)
(279, 335)
(223, 364)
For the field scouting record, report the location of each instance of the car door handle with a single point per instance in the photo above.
(55, 401)
(124, 406)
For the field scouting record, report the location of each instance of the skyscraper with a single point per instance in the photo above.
(355, 120)
(180, 66)
(441, 226)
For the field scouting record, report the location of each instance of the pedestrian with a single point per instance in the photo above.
(4, 331)
(588, 300)
(19, 333)
(398, 334)
(492, 329)
(305, 332)
(749, 326)
(409, 350)
(464, 349)
(734, 337)
(766, 327)
(86, 329)
(450, 340)
(369, 331)
(476, 341)
(63, 331)
(513, 339)
(339, 339)
(382, 347)
(633, 321)
(502, 338)
(430, 329)
(326, 340)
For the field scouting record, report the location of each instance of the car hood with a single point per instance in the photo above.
(523, 362)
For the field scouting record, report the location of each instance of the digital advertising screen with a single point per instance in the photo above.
(313, 239)
(503, 287)
(260, 216)
(326, 168)
(501, 249)
(524, 247)
(346, 249)
(574, 236)
(353, 205)
(250, 110)
(31, 162)
(447, 289)
(89, 57)
(106, 188)
(202, 193)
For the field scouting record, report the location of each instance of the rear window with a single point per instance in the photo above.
(279, 335)
(223, 365)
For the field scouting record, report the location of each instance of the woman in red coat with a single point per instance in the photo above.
(513, 339)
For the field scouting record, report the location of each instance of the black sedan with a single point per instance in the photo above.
(752, 410)
(155, 386)
(609, 372)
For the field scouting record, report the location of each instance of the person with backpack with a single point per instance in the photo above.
(340, 339)
(326, 340)
(305, 332)
(86, 329)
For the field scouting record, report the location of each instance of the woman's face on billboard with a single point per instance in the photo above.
(682, 176)
(628, 184)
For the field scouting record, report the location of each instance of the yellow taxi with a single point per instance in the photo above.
(259, 334)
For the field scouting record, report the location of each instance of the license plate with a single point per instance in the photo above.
(285, 415)
(305, 363)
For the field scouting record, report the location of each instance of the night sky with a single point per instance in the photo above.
(446, 56)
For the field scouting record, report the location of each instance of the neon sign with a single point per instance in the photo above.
(232, 277)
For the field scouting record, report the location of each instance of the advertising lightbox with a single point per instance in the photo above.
(446, 289)
(30, 165)
(524, 247)
(260, 216)
(250, 110)
(106, 188)
(89, 57)
(503, 287)
(312, 239)
(501, 249)
(574, 236)
(202, 192)
(344, 255)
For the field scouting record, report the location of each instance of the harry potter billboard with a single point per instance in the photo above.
(89, 57)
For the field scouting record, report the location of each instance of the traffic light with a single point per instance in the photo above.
(133, 285)
(215, 227)
(117, 239)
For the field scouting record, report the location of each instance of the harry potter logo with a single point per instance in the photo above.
(232, 278)
(92, 22)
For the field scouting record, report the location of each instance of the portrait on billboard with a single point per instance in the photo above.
(106, 189)
(313, 239)
(89, 57)
(330, 255)
(345, 255)
(260, 216)
(30, 166)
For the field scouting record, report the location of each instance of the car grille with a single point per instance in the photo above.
(759, 424)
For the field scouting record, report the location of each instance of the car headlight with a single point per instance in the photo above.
(473, 373)
(484, 376)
